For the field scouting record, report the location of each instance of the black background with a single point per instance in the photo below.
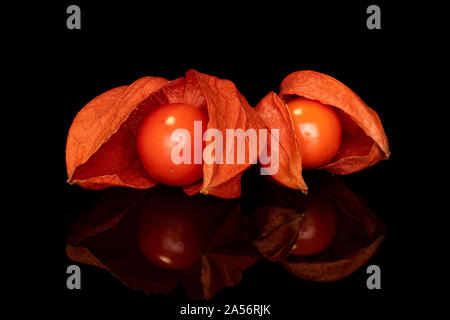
(255, 46)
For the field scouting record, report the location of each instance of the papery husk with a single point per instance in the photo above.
(101, 146)
(364, 142)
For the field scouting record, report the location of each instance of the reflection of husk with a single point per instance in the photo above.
(106, 238)
(358, 237)
(277, 231)
(264, 222)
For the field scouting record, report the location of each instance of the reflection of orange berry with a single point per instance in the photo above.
(318, 130)
(169, 236)
(155, 146)
(318, 228)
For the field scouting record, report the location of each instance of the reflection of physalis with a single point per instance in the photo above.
(323, 236)
(152, 240)
(318, 226)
